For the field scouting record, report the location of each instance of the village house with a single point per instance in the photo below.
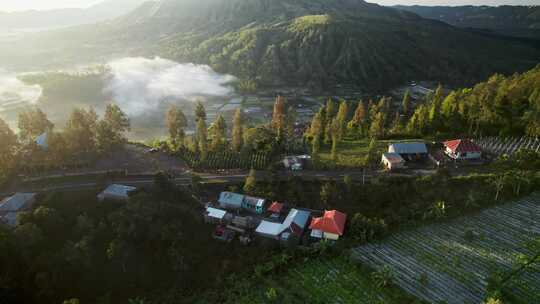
(462, 149)
(216, 216)
(409, 151)
(330, 226)
(116, 192)
(393, 161)
(235, 201)
(293, 225)
(13, 205)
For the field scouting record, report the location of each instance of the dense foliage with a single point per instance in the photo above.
(72, 246)
(520, 21)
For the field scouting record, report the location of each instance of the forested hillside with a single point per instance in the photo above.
(519, 21)
(312, 43)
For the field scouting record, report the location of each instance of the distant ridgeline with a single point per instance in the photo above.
(517, 21)
(315, 43)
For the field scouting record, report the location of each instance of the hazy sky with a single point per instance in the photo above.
(14, 5)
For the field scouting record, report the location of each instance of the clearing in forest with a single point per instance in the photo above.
(450, 262)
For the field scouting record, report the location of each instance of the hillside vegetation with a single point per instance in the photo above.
(312, 43)
(520, 21)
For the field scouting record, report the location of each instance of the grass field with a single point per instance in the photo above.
(352, 153)
(451, 262)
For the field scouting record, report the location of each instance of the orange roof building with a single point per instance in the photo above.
(330, 226)
(462, 149)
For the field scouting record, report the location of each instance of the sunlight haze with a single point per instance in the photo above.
(21, 5)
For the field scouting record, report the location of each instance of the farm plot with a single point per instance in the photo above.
(451, 262)
(324, 281)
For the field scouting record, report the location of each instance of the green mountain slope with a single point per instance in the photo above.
(316, 43)
(321, 43)
(519, 21)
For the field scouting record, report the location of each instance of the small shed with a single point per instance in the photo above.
(214, 215)
(11, 206)
(330, 226)
(462, 149)
(116, 192)
(229, 200)
(294, 224)
(254, 204)
(409, 150)
(393, 161)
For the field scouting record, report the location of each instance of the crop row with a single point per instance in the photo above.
(452, 261)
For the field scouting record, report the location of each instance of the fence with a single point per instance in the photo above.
(507, 145)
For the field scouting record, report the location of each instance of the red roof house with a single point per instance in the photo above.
(276, 207)
(330, 226)
(462, 149)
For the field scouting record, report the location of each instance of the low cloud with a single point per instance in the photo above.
(15, 93)
(140, 85)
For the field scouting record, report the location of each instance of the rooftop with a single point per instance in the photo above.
(331, 222)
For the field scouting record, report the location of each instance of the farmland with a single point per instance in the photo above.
(451, 262)
(323, 280)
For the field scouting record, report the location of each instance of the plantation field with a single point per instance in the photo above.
(451, 262)
(334, 280)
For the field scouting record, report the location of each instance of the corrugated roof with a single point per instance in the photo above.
(269, 228)
(393, 158)
(408, 148)
(462, 146)
(296, 220)
(119, 190)
(230, 198)
(216, 213)
(16, 202)
(331, 222)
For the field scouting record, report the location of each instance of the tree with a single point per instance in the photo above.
(376, 130)
(33, 123)
(8, 149)
(238, 131)
(291, 121)
(315, 132)
(250, 186)
(335, 134)
(200, 112)
(80, 131)
(358, 121)
(202, 138)
(419, 121)
(372, 156)
(110, 130)
(532, 116)
(341, 118)
(279, 116)
(330, 114)
(176, 122)
(406, 103)
(117, 119)
(260, 140)
(218, 134)
(397, 125)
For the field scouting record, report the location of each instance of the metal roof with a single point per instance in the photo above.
(230, 198)
(462, 146)
(216, 213)
(408, 148)
(331, 222)
(393, 157)
(16, 202)
(269, 228)
(119, 190)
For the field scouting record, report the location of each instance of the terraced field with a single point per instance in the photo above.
(450, 262)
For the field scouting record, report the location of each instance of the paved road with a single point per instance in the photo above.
(185, 179)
